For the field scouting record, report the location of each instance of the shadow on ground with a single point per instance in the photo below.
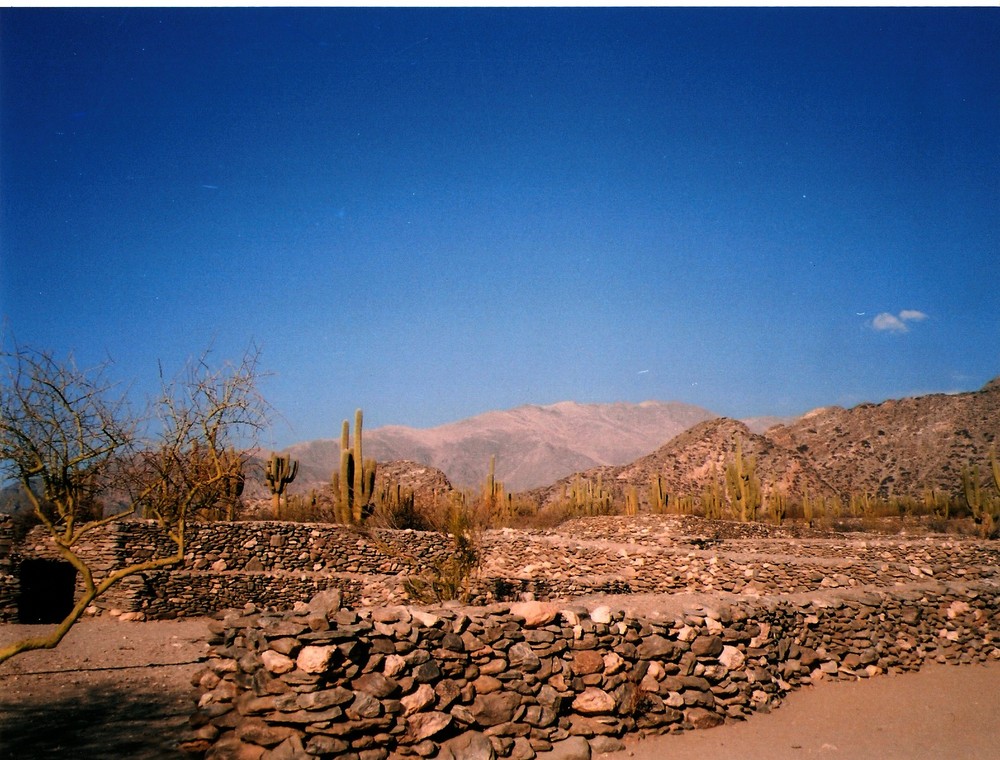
(104, 721)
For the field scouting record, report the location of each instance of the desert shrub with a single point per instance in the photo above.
(450, 578)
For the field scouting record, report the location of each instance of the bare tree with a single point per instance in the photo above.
(70, 438)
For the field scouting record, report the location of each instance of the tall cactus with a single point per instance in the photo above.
(777, 506)
(354, 485)
(711, 497)
(632, 501)
(497, 506)
(985, 506)
(743, 486)
(658, 497)
(589, 497)
(279, 472)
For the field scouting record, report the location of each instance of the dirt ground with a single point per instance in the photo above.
(122, 690)
(942, 711)
(110, 690)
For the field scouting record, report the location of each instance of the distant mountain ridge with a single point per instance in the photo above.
(534, 445)
(896, 448)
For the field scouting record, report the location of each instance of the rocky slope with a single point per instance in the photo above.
(691, 460)
(899, 447)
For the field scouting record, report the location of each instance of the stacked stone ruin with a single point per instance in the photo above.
(516, 680)
(275, 564)
(8, 581)
(575, 637)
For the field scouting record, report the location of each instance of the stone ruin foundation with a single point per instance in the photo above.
(574, 637)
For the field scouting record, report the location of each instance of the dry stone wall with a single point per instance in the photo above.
(514, 680)
(275, 564)
(8, 581)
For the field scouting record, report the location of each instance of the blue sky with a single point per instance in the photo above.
(432, 213)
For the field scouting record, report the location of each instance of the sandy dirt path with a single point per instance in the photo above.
(942, 712)
(110, 690)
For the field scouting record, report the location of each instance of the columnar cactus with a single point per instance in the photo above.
(777, 506)
(985, 507)
(589, 498)
(279, 472)
(632, 501)
(497, 506)
(354, 485)
(658, 497)
(743, 486)
(711, 497)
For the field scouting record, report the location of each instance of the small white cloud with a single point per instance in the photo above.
(886, 322)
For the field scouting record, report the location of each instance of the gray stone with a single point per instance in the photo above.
(699, 717)
(604, 744)
(657, 648)
(326, 603)
(376, 684)
(257, 731)
(521, 657)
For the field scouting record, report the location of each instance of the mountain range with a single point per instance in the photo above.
(897, 447)
(533, 445)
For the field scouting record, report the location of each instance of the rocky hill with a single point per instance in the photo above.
(899, 447)
(896, 448)
(691, 460)
(533, 445)
(430, 486)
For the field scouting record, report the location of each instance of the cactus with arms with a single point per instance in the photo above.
(279, 472)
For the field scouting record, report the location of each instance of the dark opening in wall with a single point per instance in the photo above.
(47, 589)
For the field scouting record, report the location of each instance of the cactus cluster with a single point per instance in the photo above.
(711, 497)
(743, 486)
(658, 497)
(985, 506)
(278, 473)
(353, 485)
(497, 505)
(777, 506)
(589, 497)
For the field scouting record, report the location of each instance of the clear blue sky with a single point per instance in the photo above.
(432, 213)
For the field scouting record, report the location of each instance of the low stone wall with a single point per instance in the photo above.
(275, 564)
(514, 680)
(8, 581)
